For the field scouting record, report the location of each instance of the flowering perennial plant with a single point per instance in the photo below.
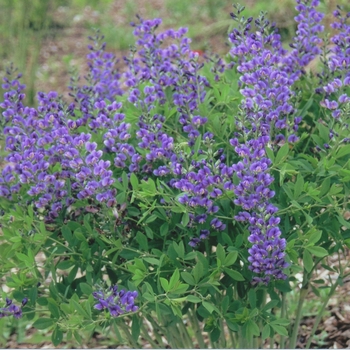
(201, 187)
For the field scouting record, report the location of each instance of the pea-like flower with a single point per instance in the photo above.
(117, 302)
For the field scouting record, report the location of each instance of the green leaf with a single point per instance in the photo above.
(134, 181)
(282, 153)
(77, 337)
(53, 308)
(43, 323)
(164, 229)
(231, 258)
(174, 279)
(81, 311)
(215, 334)
(314, 237)
(198, 271)
(79, 235)
(188, 278)
(152, 261)
(67, 234)
(165, 284)
(271, 304)
(42, 301)
(180, 288)
(235, 275)
(197, 144)
(326, 183)
(208, 306)
(279, 329)
(281, 322)
(343, 151)
(136, 327)
(179, 249)
(266, 332)
(335, 189)
(193, 299)
(324, 132)
(57, 336)
(87, 223)
(85, 288)
(299, 186)
(176, 310)
(226, 238)
(120, 197)
(149, 186)
(125, 181)
(142, 241)
(149, 232)
(151, 218)
(252, 328)
(270, 154)
(307, 260)
(220, 253)
(23, 257)
(252, 298)
(65, 265)
(185, 219)
(317, 251)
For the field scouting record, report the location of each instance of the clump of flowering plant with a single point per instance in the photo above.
(203, 189)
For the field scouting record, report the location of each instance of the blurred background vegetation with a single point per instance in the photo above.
(44, 39)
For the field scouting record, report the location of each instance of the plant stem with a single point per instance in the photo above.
(259, 341)
(241, 339)
(294, 336)
(156, 327)
(232, 339)
(185, 336)
(320, 314)
(174, 340)
(196, 328)
(146, 335)
(283, 315)
(126, 331)
(222, 335)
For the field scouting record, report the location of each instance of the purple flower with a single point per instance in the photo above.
(115, 301)
(11, 309)
(266, 87)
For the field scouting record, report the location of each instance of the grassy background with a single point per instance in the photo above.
(45, 38)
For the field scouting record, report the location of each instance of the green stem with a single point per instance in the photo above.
(197, 330)
(185, 336)
(259, 343)
(145, 334)
(222, 335)
(320, 314)
(299, 314)
(174, 340)
(241, 340)
(117, 333)
(283, 315)
(156, 331)
(232, 339)
(126, 331)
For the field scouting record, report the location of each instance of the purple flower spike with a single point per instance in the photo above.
(116, 302)
(266, 87)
